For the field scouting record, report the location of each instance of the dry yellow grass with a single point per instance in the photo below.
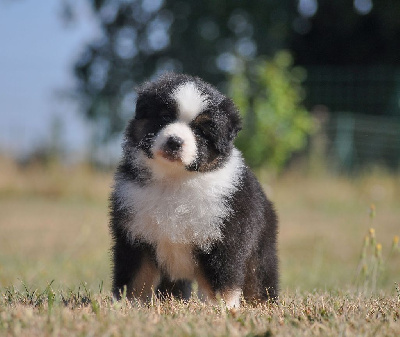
(53, 226)
(310, 314)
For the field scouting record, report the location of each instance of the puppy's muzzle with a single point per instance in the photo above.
(173, 144)
(176, 142)
(172, 148)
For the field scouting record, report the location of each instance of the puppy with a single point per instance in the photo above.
(184, 206)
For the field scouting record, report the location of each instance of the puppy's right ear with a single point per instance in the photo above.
(141, 106)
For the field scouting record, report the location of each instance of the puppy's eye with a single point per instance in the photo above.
(165, 116)
(206, 130)
(208, 126)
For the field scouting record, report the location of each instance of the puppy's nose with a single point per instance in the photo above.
(174, 143)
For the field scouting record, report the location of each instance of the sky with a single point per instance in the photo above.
(37, 53)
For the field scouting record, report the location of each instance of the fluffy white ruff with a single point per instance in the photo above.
(190, 210)
(190, 100)
(189, 147)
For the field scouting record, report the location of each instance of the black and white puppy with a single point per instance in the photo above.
(185, 207)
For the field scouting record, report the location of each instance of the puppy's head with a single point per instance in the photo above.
(182, 124)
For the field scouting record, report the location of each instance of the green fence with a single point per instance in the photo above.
(363, 104)
(356, 141)
(372, 90)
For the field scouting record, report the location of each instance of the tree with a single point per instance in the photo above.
(211, 39)
(143, 38)
(343, 32)
(275, 122)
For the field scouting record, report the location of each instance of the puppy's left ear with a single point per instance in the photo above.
(235, 122)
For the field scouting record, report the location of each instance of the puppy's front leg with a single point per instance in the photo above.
(220, 275)
(145, 282)
(134, 269)
(230, 295)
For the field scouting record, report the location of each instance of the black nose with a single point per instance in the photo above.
(174, 143)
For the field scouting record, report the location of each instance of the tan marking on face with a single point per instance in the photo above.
(202, 118)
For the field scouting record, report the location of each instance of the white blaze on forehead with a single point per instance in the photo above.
(190, 100)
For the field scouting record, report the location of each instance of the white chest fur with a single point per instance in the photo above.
(189, 211)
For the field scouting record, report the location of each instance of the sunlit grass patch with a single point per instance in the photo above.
(54, 226)
(86, 312)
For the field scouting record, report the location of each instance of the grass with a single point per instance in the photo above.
(80, 313)
(55, 268)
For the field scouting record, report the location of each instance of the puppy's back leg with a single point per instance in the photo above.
(261, 282)
(268, 274)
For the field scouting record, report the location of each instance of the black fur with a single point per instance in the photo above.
(246, 256)
(249, 239)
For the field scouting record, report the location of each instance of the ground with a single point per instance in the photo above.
(55, 261)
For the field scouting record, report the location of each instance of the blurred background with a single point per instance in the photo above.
(317, 83)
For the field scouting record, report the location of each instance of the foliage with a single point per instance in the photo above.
(372, 264)
(344, 32)
(142, 39)
(269, 96)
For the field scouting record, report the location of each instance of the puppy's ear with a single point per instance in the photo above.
(235, 122)
(229, 125)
